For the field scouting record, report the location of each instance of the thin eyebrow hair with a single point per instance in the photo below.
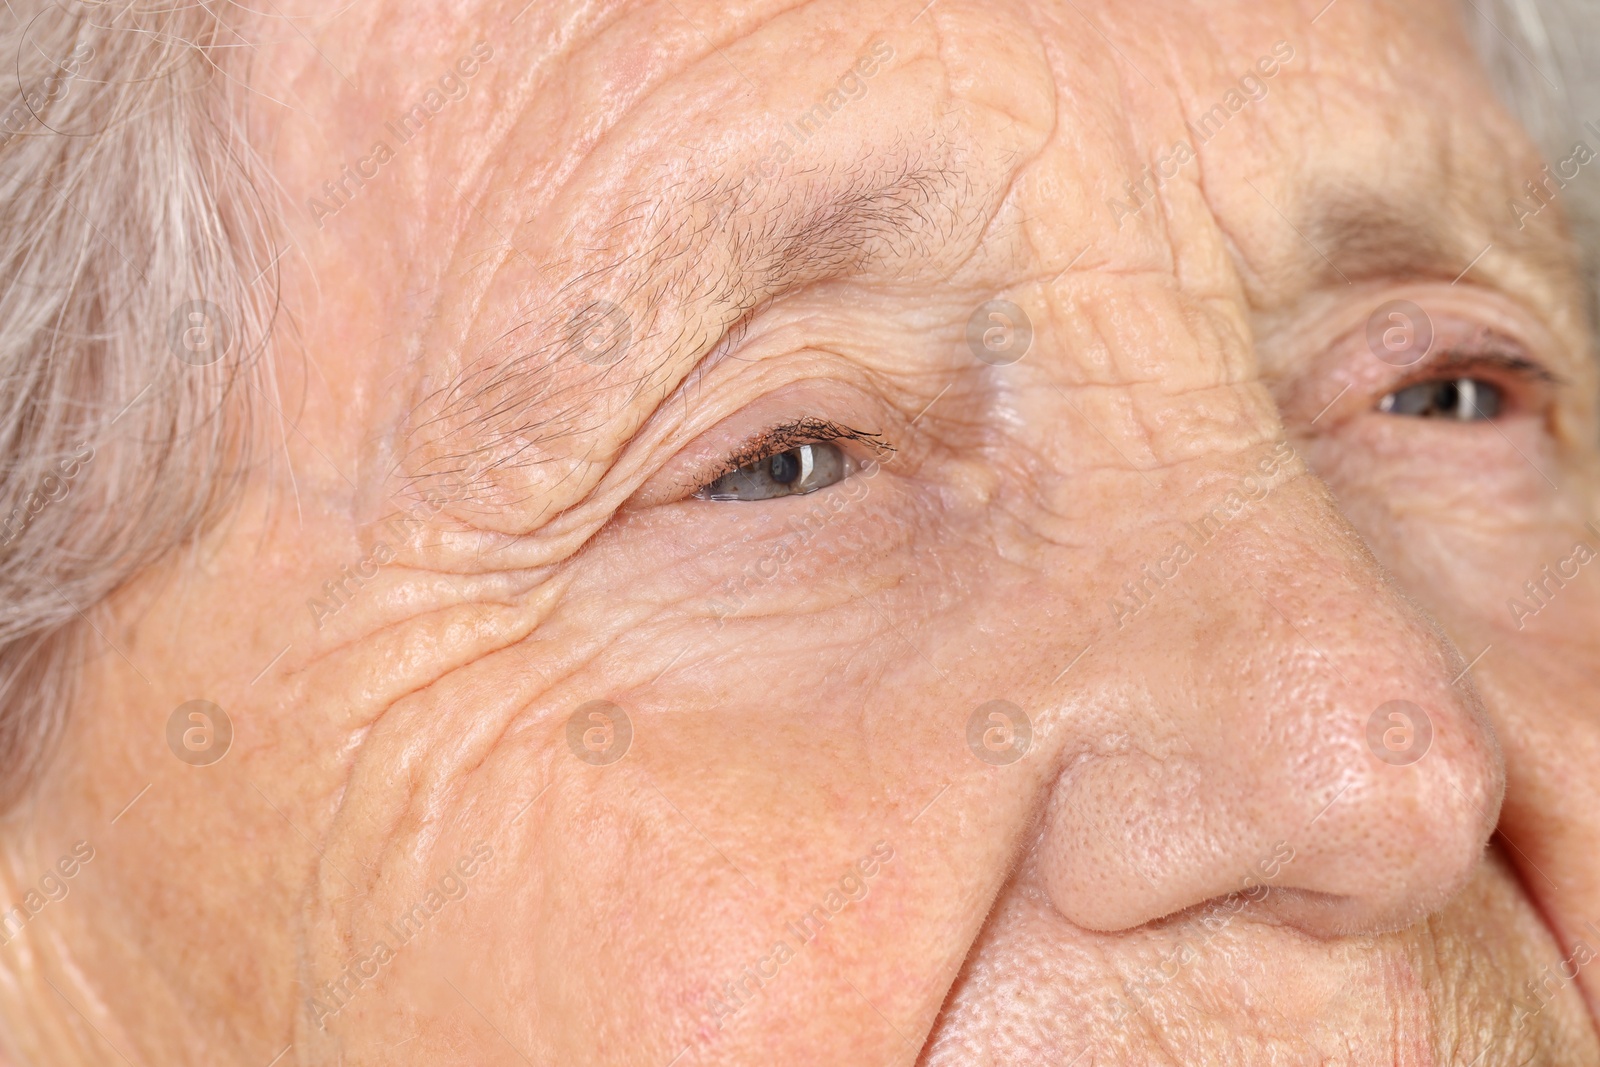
(1366, 237)
(1363, 233)
(686, 266)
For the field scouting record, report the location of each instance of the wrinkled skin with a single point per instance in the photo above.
(1198, 860)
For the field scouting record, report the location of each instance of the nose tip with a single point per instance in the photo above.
(1332, 775)
(1406, 829)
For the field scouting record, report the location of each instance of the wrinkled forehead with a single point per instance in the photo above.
(641, 177)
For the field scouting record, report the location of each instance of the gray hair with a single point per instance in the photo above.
(127, 208)
(1544, 57)
(139, 254)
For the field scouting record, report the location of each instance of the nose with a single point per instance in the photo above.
(1275, 728)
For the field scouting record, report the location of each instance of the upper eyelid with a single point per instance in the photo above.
(1459, 361)
(804, 431)
(1511, 362)
(793, 434)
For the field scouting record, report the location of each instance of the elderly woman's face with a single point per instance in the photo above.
(1000, 534)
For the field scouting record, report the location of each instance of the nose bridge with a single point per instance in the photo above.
(1294, 728)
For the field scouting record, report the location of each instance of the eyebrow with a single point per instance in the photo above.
(687, 268)
(1362, 233)
(1364, 236)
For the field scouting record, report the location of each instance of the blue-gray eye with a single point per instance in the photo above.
(1461, 399)
(796, 471)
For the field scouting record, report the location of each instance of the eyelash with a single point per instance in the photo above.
(781, 438)
(1513, 374)
(1509, 371)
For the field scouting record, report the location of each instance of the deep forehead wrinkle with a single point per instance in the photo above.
(684, 265)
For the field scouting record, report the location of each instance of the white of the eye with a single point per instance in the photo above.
(1386, 405)
(1467, 406)
(805, 466)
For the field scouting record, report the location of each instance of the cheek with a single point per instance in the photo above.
(722, 826)
(763, 762)
(1455, 513)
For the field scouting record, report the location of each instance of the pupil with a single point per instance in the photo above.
(1450, 399)
(784, 467)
